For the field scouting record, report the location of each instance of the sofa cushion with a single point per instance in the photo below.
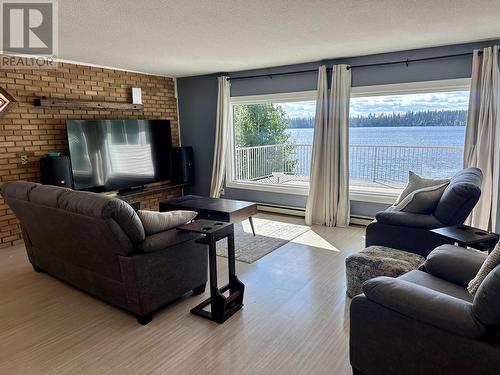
(18, 189)
(415, 182)
(458, 265)
(155, 222)
(78, 202)
(46, 195)
(425, 305)
(166, 239)
(459, 197)
(486, 305)
(407, 219)
(488, 265)
(422, 201)
(435, 283)
(102, 206)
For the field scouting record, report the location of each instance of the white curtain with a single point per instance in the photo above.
(482, 146)
(328, 200)
(221, 138)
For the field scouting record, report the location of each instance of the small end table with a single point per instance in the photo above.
(466, 236)
(220, 209)
(221, 307)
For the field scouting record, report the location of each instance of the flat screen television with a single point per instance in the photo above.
(119, 154)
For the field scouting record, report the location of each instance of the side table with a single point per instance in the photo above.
(221, 306)
(466, 236)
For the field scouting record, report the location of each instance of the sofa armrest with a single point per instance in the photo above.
(408, 219)
(455, 264)
(156, 278)
(425, 305)
(166, 239)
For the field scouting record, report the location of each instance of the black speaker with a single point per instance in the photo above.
(182, 164)
(56, 171)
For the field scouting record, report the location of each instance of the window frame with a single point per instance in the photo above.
(355, 193)
(286, 97)
(423, 87)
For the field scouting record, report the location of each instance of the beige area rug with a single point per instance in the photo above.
(270, 235)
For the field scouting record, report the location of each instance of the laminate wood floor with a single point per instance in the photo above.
(295, 319)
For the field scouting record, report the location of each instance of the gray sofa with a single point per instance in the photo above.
(97, 243)
(426, 322)
(411, 232)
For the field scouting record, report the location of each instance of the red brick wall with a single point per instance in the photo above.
(32, 131)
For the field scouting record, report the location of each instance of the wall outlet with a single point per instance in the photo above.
(24, 159)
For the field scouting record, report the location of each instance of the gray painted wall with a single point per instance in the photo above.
(198, 104)
(197, 98)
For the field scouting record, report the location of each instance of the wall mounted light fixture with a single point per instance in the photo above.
(136, 95)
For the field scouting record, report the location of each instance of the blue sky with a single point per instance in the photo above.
(390, 103)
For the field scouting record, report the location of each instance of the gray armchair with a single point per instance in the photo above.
(426, 322)
(411, 232)
(97, 243)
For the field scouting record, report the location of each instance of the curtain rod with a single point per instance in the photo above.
(406, 62)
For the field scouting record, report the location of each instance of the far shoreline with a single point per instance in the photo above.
(403, 126)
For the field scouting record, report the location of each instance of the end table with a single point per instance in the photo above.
(466, 236)
(221, 306)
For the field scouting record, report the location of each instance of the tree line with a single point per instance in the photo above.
(410, 118)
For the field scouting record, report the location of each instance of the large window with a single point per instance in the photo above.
(392, 129)
(417, 127)
(272, 141)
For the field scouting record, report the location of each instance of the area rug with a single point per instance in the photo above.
(270, 235)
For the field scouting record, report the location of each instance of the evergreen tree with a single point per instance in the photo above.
(260, 124)
(410, 118)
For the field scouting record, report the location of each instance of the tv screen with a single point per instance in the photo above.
(119, 154)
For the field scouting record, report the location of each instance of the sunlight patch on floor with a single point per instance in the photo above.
(312, 238)
(246, 226)
(273, 229)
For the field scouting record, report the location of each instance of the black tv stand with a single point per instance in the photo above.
(134, 194)
(131, 190)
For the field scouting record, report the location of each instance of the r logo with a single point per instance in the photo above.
(29, 27)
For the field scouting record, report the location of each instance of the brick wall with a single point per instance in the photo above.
(32, 131)
(152, 201)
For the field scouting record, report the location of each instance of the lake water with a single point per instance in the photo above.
(391, 164)
(406, 136)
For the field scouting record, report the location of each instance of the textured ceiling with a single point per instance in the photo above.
(190, 37)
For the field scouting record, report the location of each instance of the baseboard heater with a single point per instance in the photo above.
(298, 211)
(278, 209)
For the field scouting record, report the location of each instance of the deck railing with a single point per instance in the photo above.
(371, 163)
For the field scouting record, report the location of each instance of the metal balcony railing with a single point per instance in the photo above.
(384, 164)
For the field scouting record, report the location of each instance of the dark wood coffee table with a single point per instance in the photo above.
(218, 209)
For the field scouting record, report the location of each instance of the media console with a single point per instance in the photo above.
(147, 190)
(151, 193)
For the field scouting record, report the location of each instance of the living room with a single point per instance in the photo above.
(226, 187)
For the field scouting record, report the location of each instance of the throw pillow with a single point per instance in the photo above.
(155, 222)
(491, 262)
(415, 182)
(422, 201)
